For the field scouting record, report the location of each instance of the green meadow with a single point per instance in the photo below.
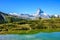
(14, 25)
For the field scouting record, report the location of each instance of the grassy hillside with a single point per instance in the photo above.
(15, 25)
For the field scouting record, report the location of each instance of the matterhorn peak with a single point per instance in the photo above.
(41, 14)
(39, 11)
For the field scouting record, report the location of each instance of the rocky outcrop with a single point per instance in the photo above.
(2, 18)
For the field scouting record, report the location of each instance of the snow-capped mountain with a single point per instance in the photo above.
(44, 15)
(41, 14)
(38, 14)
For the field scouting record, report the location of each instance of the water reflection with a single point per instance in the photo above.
(39, 36)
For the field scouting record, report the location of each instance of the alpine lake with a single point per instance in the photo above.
(37, 36)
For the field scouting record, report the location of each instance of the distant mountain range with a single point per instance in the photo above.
(37, 15)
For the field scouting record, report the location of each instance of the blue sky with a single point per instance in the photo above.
(30, 6)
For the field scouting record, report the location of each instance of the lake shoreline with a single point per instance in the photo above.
(22, 32)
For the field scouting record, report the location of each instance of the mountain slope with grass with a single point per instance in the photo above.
(15, 25)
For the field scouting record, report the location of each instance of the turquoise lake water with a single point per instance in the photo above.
(39, 36)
